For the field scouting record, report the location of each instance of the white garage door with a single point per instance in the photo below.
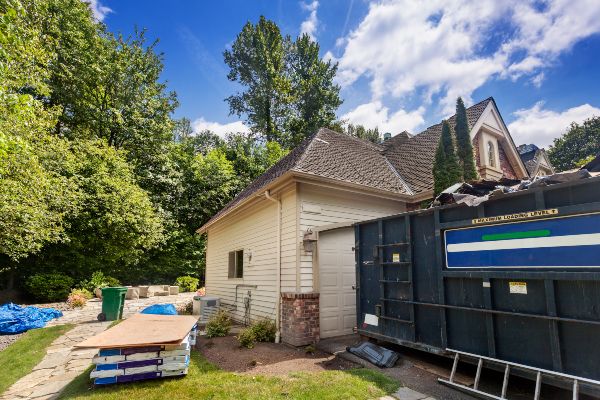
(336, 280)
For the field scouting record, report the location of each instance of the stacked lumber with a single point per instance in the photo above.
(143, 347)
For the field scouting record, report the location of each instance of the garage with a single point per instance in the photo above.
(336, 281)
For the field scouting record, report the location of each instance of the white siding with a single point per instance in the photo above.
(323, 206)
(255, 231)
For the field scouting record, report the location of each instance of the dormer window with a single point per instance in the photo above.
(491, 154)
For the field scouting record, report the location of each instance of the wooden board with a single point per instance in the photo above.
(143, 330)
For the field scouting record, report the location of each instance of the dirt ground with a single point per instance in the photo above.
(267, 358)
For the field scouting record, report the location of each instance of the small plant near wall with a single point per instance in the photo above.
(218, 325)
(78, 298)
(260, 331)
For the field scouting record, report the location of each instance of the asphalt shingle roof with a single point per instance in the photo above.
(400, 165)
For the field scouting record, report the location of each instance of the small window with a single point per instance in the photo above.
(491, 153)
(236, 264)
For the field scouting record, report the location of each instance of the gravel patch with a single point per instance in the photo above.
(7, 340)
(267, 358)
(61, 306)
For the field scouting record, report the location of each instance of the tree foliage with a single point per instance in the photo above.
(464, 145)
(288, 89)
(95, 175)
(580, 142)
(359, 131)
(446, 167)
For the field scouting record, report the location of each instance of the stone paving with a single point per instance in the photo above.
(63, 362)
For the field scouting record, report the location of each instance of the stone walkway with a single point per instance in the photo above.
(63, 362)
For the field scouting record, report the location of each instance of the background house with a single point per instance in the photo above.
(283, 248)
(536, 160)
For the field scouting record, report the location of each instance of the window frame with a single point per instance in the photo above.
(235, 264)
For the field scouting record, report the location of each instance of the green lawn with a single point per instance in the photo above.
(18, 359)
(205, 381)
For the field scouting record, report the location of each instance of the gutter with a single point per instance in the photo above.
(278, 274)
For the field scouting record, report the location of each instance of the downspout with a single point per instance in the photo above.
(278, 275)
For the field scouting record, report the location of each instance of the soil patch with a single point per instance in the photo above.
(267, 358)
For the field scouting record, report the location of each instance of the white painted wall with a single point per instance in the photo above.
(321, 206)
(254, 231)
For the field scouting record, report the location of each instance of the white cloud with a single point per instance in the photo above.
(201, 124)
(310, 25)
(540, 126)
(98, 10)
(451, 48)
(375, 114)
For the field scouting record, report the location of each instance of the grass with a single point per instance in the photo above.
(18, 359)
(206, 381)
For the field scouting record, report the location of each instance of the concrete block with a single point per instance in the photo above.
(133, 293)
(173, 290)
(144, 291)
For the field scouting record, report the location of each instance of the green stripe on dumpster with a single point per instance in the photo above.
(516, 235)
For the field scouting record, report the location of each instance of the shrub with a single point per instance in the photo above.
(77, 298)
(218, 325)
(83, 292)
(49, 287)
(247, 337)
(185, 308)
(187, 283)
(98, 280)
(201, 291)
(261, 331)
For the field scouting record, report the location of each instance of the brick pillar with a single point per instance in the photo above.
(300, 318)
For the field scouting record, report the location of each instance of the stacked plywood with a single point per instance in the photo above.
(143, 347)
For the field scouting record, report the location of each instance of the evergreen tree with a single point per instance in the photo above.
(446, 167)
(463, 143)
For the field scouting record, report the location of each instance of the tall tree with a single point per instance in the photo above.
(580, 142)
(288, 89)
(464, 144)
(315, 98)
(257, 61)
(446, 168)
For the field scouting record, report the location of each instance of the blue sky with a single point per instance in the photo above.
(401, 63)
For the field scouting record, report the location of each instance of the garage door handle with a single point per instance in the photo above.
(353, 287)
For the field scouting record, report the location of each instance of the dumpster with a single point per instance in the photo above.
(516, 278)
(113, 300)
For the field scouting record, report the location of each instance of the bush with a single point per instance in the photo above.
(218, 325)
(187, 283)
(185, 308)
(261, 331)
(98, 280)
(49, 287)
(77, 298)
(247, 337)
(83, 292)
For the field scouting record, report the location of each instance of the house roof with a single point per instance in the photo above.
(401, 165)
(532, 156)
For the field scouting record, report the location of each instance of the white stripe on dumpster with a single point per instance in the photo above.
(589, 239)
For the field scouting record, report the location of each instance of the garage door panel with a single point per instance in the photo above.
(336, 280)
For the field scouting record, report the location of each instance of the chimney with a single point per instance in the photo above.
(387, 136)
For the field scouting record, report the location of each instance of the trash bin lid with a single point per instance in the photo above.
(114, 289)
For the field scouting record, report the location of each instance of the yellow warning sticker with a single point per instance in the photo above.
(395, 257)
(517, 287)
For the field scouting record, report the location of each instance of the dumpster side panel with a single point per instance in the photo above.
(537, 306)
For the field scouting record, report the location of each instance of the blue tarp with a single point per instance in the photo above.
(17, 319)
(160, 309)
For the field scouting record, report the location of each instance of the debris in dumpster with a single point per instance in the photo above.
(474, 193)
(148, 352)
(374, 354)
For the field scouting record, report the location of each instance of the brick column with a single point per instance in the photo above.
(300, 318)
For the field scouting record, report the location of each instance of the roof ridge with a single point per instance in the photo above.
(397, 173)
(311, 140)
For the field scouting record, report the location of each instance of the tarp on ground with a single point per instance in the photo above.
(16, 319)
(160, 309)
(143, 330)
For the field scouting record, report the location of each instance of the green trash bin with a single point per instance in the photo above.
(113, 300)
